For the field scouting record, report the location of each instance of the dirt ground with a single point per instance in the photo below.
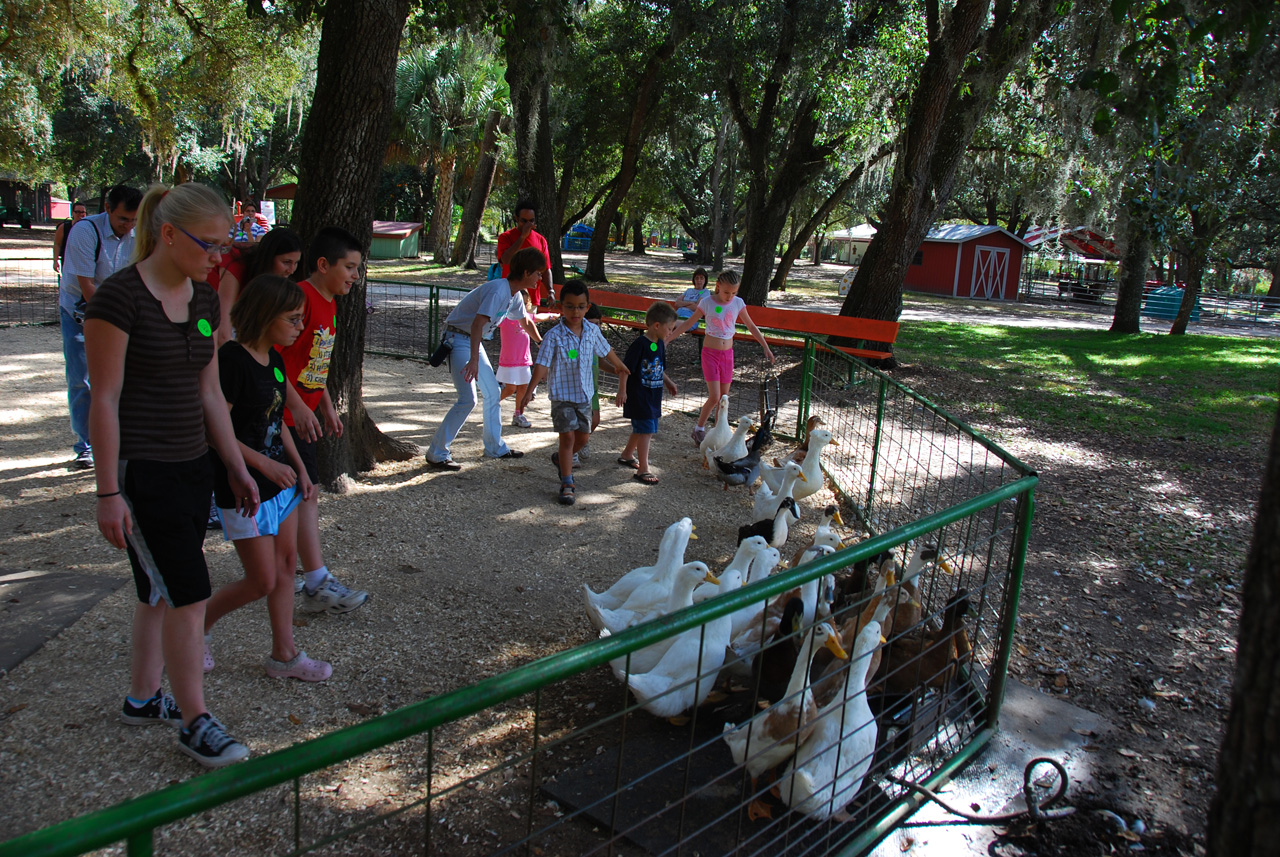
(1129, 605)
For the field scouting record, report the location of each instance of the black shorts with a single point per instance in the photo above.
(169, 503)
(307, 452)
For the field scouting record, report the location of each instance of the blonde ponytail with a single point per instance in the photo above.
(186, 206)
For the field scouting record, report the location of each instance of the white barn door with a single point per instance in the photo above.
(990, 268)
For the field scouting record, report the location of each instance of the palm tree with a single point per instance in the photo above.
(443, 94)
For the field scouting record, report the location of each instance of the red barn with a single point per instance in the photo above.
(968, 262)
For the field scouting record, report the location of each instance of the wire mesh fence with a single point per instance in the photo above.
(28, 291)
(731, 711)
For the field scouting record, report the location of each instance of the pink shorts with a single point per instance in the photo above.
(717, 365)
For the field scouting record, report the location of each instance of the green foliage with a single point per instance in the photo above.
(1139, 386)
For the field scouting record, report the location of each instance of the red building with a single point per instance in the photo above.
(968, 262)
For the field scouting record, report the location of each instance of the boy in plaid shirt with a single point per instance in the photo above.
(564, 358)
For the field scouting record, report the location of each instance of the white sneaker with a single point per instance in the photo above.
(521, 421)
(298, 583)
(583, 453)
(331, 597)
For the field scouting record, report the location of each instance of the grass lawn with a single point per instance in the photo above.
(1139, 386)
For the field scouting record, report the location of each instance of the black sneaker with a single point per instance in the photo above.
(158, 709)
(209, 744)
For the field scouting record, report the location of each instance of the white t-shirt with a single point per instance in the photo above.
(492, 300)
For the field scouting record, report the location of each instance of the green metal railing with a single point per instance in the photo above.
(909, 471)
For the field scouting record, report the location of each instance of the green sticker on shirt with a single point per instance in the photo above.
(573, 354)
(653, 346)
(719, 309)
(204, 327)
(279, 375)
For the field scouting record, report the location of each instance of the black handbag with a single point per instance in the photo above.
(440, 354)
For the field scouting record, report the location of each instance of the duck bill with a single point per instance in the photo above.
(889, 578)
(833, 646)
(836, 517)
(711, 578)
(946, 566)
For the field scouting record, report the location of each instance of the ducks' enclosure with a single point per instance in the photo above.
(556, 757)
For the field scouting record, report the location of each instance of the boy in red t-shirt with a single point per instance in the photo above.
(334, 258)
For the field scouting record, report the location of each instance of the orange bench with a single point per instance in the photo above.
(772, 321)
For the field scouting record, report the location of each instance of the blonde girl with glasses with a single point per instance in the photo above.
(157, 406)
(268, 314)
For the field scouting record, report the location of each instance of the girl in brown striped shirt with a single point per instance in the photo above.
(149, 337)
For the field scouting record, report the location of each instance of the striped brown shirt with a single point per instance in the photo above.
(161, 418)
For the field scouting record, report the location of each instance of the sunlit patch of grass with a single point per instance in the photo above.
(1138, 385)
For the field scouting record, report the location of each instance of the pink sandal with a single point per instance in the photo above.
(300, 667)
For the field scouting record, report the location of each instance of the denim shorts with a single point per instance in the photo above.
(266, 523)
(644, 426)
(571, 416)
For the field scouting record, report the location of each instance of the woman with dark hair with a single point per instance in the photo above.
(279, 253)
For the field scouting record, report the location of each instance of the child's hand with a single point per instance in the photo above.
(279, 473)
(306, 487)
(672, 388)
(332, 422)
(307, 426)
(526, 398)
(621, 398)
(768, 354)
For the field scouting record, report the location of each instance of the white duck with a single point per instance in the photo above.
(718, 435)
(826, 533)
(735, 448)
(765, 506)
(649, 601)
(674, 684)
(771, 737)
(752, 616)
(828, 769)
(819, 438)
(687, 578)
(670, 556)
(816, 595)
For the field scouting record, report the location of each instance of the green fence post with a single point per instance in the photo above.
(875, 448)
(1009, 613)
(433, 318)
(807, 364)
(140, 845)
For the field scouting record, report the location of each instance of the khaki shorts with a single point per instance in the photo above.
(571, 416)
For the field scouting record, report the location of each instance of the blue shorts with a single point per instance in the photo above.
(266, 523)
(644, 426)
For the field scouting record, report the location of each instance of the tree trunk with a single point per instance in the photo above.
(464, 249)
(817, 249)
(1133, 275)
(960, 78)
(1244, 817)
(646, 96)
(1203, 231)
(819, 217)
(442, 213)
(637, 237)
(1274, 291)
(341, 156)
(530, 47)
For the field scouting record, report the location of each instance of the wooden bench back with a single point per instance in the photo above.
(795, 320)
(824, 324)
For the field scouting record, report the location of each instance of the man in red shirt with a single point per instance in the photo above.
(523, 235)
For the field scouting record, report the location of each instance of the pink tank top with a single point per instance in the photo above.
(515, 344)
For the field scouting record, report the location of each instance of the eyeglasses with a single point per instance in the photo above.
(207, 246)
(294, 320)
